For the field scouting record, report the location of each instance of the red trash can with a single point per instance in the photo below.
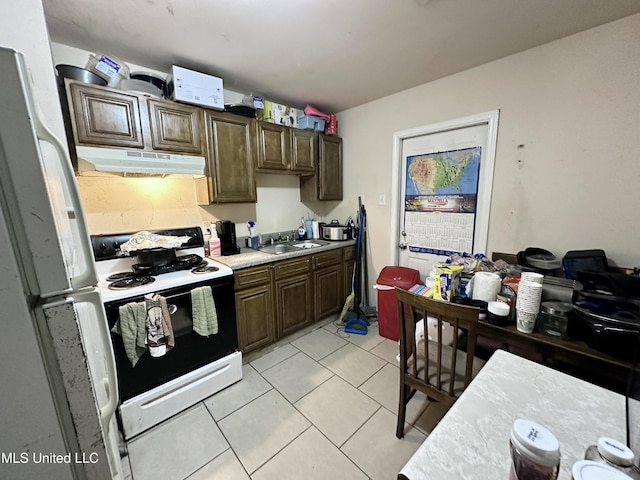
(390, 277)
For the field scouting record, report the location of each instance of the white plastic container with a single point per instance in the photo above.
(112, 69)
(615, 454)
(590, 470)
(535, 452)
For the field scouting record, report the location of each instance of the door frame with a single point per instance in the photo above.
(485, 184)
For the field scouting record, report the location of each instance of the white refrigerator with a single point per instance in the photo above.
(58, 387)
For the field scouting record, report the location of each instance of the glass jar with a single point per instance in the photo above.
(615, 454)
(590, 470)
(554, 318)
(535, 452)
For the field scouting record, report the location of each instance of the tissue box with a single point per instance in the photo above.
(280, 114)
(447, 280)
(189, 86)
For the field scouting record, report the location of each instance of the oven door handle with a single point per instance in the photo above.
(179, 295)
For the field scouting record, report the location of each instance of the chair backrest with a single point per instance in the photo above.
(418, 361)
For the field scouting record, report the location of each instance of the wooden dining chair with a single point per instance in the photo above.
(427, 365)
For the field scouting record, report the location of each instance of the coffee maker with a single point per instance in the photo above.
(226, 231)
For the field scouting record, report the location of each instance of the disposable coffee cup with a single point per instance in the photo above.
(531, 277)
(525, 321)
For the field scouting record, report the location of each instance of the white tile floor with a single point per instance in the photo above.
(321, 405)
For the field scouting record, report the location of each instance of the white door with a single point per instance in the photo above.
(442, 199)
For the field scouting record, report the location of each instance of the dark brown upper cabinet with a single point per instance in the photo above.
(326, 184)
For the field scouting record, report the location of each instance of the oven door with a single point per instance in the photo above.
(187, 360)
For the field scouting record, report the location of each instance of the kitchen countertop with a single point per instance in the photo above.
(472, 440)
(252, 258)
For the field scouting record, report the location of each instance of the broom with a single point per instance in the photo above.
(349, 302)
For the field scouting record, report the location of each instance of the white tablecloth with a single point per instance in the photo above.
(472, 440)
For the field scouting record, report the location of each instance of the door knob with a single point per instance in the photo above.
(402, 246)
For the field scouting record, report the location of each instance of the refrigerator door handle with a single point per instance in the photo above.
(103, 343)
(88, 276)
(110, 381)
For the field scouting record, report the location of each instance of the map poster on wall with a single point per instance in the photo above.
(441, 194)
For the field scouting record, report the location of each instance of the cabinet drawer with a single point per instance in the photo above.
(288, 268)
(348, 254)
(251, 277)
(326, 259)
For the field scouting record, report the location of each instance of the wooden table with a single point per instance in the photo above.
(562, 353)
(472, 440)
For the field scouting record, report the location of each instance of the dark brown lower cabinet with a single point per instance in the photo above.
(327, 283)
(294, 298)
(279, 298)
(255, 308)
(294, 302)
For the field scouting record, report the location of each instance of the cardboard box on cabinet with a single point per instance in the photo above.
(197, 88)
(280, 114)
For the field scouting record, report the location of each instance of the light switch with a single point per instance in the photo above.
(382, 199)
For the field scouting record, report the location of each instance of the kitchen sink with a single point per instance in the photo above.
(280, 248)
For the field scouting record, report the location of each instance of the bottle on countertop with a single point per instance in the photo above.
(206, 235)
(214, 242)
(615, 454)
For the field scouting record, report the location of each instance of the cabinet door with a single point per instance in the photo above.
(294, 304)
(104, 117)
(327, 284)
(175, 127)
(231, 149)
(274, 147)
(304, 151)
(326, 184)
(330, 168)
(255, 319)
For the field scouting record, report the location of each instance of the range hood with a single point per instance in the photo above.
(101, 159)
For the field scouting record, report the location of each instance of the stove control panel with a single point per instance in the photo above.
(107, 247)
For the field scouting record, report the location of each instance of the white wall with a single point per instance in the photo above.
(574, 105)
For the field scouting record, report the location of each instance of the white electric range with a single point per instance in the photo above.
(156, 388)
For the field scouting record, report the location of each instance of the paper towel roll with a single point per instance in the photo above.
(486, 286)
(315, 226)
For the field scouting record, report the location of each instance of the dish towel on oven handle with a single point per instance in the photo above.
(203, 311)
(132, 327)
(159, 330)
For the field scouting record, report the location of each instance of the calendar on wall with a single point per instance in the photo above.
(441, 194)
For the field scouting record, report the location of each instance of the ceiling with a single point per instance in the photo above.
(332, 54)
